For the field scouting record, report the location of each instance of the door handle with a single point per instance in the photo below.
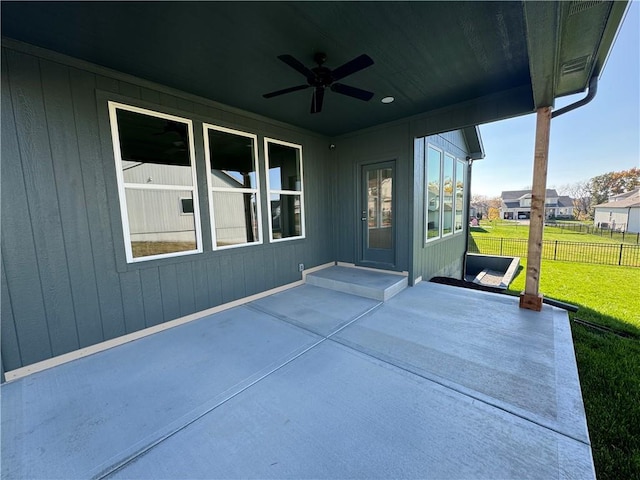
(364, 216)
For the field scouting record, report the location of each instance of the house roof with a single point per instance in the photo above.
(565, 201)
(515, 204)
(480, 61)
(508, 195)
(632, 200)
(620, 196)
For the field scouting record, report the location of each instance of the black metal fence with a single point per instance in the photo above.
(604, 230)
(601, 253)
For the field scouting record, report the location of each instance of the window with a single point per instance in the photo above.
(447, 195)
(284, 182)
(156, 181)
(434, 170)
(234, 192)
(186, 206)
(444, 192)
(460, 184)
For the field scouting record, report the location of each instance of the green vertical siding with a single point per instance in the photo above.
(397, 142)
(353, 151)
(445, 256)
(65, 280)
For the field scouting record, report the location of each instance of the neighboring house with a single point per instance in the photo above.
(516, 205)
(145, 177)
(621, 212)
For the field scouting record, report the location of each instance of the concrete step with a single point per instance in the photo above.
(357, 281)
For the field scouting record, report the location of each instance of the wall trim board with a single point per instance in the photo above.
(102, 346)
(69, 61)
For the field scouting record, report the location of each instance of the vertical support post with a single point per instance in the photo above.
(531, 298)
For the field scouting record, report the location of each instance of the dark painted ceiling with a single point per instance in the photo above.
(427, 54)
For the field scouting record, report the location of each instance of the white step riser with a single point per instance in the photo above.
(381, 294)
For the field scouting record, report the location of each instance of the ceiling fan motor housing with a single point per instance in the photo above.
(321, 77)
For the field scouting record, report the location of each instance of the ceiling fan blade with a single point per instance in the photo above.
(316, 100)
(296, 65)
(355, 65)
(285, 90)
(352, 91)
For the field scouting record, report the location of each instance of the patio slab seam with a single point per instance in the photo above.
(143, 446)
(150, 441)
(526, 415)
(290, 321)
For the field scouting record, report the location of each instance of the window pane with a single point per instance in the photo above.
(380, 214)
(284, 167)
(433, 193)
(459, 195)
(285, 216)
(447, 195)
(187, 205)
(154, 150)
(157, 224)
(232, 160)
(236, 218)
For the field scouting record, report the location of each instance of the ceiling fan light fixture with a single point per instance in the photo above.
(319, 78)
(387, 99)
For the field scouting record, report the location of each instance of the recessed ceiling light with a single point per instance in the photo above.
(387, 100)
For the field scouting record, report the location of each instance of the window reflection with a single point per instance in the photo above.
(285, 216)
(154, 150)
(380, 208)
(433, 192)
(285, 189)
(236, 218)
(157, 224)
(284, 167)
(158, 192)
(447, 195)
(234, 187)
(232, 160)
(459, 196)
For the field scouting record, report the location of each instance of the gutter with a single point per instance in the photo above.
(593, 89)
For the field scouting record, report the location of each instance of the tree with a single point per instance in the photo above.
(589, 193)
(612, 183)
(494, 213)
(580, 193)
(484, 204)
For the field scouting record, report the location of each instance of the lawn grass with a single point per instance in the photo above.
(609, 365)
(608, 295)
(511, 239)
(515, 230)
(144, 249)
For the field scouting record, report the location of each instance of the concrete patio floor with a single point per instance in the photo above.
(437, 382)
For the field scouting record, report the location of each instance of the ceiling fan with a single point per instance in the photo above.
(321, 77)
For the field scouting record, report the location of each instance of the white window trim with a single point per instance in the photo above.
(464, 187)
(211, 189)
(453, 195)
(300, 192)
(426, 193)
(115, 136)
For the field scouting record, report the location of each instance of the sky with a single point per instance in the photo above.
(602, 136)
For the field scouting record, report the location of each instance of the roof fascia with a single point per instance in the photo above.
(619, 10)
(474, 142)
(542, 23)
